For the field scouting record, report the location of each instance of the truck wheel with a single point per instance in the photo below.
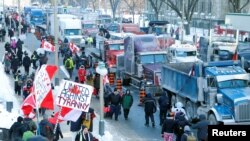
(191, 109)
(212, 119)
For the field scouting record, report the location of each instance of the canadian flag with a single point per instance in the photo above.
(28, 104)
(48, 46)
(68, 114)
(74, 48)
(42, 86)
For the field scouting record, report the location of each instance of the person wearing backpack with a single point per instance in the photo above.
(46, 128)
(69, 65)
(181, 122)
(149, 109)
(127, 101)
(188, 135)
(164, 106)
(15, 132)
(29, 124)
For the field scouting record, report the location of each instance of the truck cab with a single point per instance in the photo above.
(182, 52)
(37, 17)
(89, 28)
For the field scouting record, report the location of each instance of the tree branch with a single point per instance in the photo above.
(244, 5)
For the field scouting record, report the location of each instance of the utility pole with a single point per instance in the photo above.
(19, 18)
(182, 18)
(56, 39)
(105, 4)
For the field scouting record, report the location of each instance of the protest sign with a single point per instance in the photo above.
(74, 95)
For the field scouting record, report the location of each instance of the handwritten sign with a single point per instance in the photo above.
(74, 95)
(42, 84)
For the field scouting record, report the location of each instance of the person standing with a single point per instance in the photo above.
(69, 65)
(163, 102)
(84, 135)
(26, 63)
(15, 132)
(202, 126)
(127, 101)
(20, 55)
(97, 83)
(14, 64)
(75, 127)
(115, 101)
(46, 128)
(18, 82)
(34, 58)
(149, 109)
(82, 74)
(168, 126)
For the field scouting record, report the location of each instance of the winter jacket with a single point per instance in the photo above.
(16, 131)
(168, 126)
(127, 101)
(202, 126)
(32, 124)
(149, 104)
(115, 98)
(97, 81)
(37, 138)
(163, 102)
(81, 74)
(46, 129)
(26, 61)
(19, 54)
(14, 63)
(185, 135)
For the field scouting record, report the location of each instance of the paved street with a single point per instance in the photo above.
(130, 130)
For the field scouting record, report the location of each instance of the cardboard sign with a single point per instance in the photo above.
(74, 95)
(42, 84)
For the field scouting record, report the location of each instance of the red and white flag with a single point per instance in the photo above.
(42, 86)
(48, 46)
(74, 48)
(69, 114)
(28, 104)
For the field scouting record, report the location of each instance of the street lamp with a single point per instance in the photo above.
(101, 69)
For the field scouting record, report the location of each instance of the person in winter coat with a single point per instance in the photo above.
(34, 58)
(26, 63)
(43, 59)
(164, 105)
(27, 88)
(168, 125)
(90, 115)
(7, 62)
(115, 103)
(27, 135)
(97, 83)
(181, 122)
(84, 135)
(46, 128)
(149, 109)
(31, 124)
(127, 101)
(187, 132)
(14, 64)
(10, 33)
(18, 82)
(19, 43)
(202, 126)
(38, 138)
(69, 65)
(82, 74)
(13, 45)
(15, 132)
(20, 55)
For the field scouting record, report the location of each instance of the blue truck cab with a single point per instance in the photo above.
(219, 90)
(37, 17)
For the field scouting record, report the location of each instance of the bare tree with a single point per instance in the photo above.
(156, 5)
(93, 4)
(188, 6)
(237, 6)
(114, 5)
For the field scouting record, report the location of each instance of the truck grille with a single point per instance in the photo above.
(242, 112)
(76, 40)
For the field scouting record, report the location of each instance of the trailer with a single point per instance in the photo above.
(217, 89)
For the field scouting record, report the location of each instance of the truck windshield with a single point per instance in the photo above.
(153, 58)
(88, 26)
(116, 47)
(234, 83)
(72, 32)
(185, 53)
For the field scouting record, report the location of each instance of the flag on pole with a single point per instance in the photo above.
(69, 114)
(73, 47)
(28, 104)
(47, 46)
(42, 86)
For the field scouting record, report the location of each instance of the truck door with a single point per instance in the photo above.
(211, 90)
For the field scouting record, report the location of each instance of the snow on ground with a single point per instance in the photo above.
(7, 94)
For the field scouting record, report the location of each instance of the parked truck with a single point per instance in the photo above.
(69, 26)
(217, 89)
(143, 59)
(37, 17)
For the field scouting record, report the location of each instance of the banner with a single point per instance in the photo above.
(74, 95)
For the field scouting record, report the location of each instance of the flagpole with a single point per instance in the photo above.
(37, 118)
(57, 120)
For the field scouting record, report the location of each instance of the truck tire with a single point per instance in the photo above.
(212, 119)
(191, 109)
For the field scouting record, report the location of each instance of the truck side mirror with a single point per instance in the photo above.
(219, 98)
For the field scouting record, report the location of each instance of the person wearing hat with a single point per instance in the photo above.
(46, 128)
(149, 109)
(202, 127)
(168, 126)
(188, 135)
(82, 74)
(84, 135)
(15, 132)
(18, 82)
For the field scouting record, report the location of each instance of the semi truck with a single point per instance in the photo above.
(69, 26)
(37, 17)
(143, 58)
(217, 89)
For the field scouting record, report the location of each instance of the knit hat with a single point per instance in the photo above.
(19, 119)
